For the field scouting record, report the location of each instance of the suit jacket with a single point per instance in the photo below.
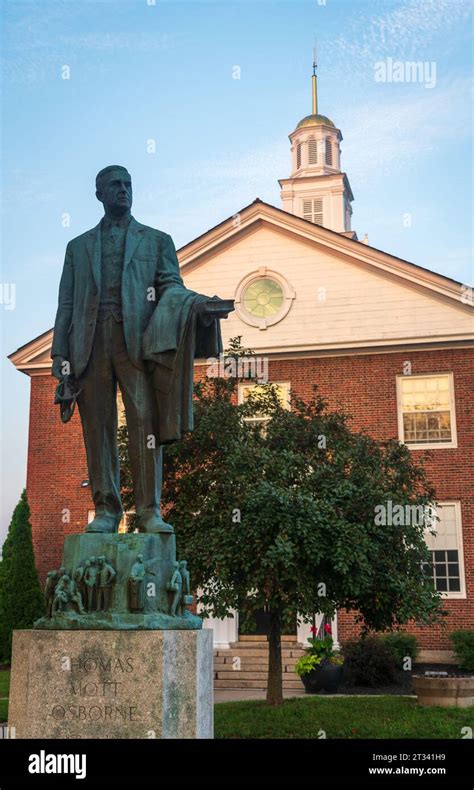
(175, 336)
(150, 262)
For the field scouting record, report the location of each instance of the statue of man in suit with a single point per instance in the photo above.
(119, 279)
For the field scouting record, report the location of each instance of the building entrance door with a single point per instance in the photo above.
(258, 624)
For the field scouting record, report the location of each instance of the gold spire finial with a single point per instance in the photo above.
(314, 81)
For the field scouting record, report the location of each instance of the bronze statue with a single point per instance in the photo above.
(90, 580)
(186, 584)
(78, 577)
(75, 596)
(124, 316)
(49, 591)
(61, 595)
(175, 586)
(106, 576)
(136, 585)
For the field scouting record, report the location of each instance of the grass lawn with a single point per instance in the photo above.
(343, 717)
(4, 682)
(4, 688)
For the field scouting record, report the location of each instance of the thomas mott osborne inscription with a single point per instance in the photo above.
(119, 654)
(112, 684)
(86, 689)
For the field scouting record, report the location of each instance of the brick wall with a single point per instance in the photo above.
(56, 467)
(363, 385)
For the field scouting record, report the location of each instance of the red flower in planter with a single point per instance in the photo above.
(327, 628)
(313, 630)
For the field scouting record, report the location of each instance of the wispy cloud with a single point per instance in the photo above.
(397, 129)
(403, 31)
(45, 35)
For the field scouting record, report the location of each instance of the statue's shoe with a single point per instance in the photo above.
(153, 524)
(103, 524)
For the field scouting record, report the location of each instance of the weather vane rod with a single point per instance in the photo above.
(314, 81)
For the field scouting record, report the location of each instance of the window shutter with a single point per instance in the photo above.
(313, 210)
(312, 151)
(318, 211)
(328, 152)
(308, 210)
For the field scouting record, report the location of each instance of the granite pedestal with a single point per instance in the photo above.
(112, 684)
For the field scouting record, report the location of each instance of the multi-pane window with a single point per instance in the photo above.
(313, 210)
(283, 392)
(426, 410)
(446, 567)
(312, 151)
(264, 297)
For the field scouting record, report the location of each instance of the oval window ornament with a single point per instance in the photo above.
(263, 298)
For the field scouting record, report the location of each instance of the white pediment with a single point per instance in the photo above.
(346, 295)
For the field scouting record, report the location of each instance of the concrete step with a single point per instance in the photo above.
(251, 668)
(253, 675)
(254, 684)
(220, 661)
(262, 638)
(253, 672)
(243, 684)
(252, 638)
(287, 655)
(246, 647)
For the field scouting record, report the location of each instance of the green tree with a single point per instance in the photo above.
(21, 599)
(280, 513)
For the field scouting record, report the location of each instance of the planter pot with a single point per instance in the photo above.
(445, 692)
(327, 677)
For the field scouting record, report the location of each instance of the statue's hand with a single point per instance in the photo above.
(58, 369)
(215, 307)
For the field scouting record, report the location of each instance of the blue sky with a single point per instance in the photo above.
(164, 71)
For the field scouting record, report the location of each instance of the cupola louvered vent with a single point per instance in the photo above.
(328, 153)
(312, 151)
(298, 156)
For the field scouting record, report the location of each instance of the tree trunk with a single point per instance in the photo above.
(274, 683)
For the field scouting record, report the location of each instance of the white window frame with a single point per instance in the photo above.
(452, 412)
(460, 549)
(252, 320)
(285, 385)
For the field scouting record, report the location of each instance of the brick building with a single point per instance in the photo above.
(389, 341)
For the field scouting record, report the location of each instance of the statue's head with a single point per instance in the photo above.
(92, 560)
(140, 557)
(87, 564)
(114, 189)
(101, 560)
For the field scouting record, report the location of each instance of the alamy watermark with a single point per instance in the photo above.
(390, 70)
(7, 295)
(404, 515)
(252, 367)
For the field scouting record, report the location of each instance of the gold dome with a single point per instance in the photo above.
(315, 120)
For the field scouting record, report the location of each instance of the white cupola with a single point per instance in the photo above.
(316, 189)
